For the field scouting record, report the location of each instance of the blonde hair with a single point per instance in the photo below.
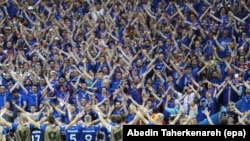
(160, 117)
(23, 117)
(87, 118)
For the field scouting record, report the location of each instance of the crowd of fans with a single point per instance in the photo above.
(101, 63)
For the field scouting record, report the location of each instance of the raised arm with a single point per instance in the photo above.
(78, 116)
(36, 124)
(3, 121)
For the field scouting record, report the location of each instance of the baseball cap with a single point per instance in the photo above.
(30, 8)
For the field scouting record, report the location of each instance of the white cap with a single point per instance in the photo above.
(52, 72)
(1, 35)
(30, 8)
(7, 27)
(51, 29)
(56, 38)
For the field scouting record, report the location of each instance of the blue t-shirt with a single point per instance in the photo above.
(37, 135)
(74, 133)
(89, 133)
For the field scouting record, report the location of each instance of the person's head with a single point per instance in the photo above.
(183, 119)
(28, 82)
(15, 93)
(133, 85)
(224, 121)
(33, 109)
(2, 89)
(105, 70)
(100, 74)
(51, 119)
(160, 43)
(1, 46)
(105, 83)
(161, 57)
(9, 44)
(88, 119)
(248, 91)
(45, 94)
(113, 118)
(120, 119)
(84, 101)
(23, 119)
(193, 121)
(84, 85)
(231, 106)
(225, 33)
(53, 75)
(88, 107)
(169, 42)
(137, 79)
(159, 117)
(118, 75)
(98, 6)
(139, 63)
(131, 106)
(188, 69)
(149, 82)
(170, 79)
(118, 105)
(62, 79)
(72, 109)
(102, 59)
(103, 108)
(104, 90)
(123, 22)
(34, 88)
(185, 89)
(100, 136)
(7, 105)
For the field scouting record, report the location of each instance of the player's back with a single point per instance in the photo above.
(116, 133)
(52, 133)
(23, 132)
(106, 133)
(37, 135)
(74, 133)
(89, 134)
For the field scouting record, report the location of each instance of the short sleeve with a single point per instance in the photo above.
(14, 126)
(97, 127)
(42, 127)
(80, 127)
(83, 126)
(62, 128)
(109, 128)
(24, 99)
(32, 126)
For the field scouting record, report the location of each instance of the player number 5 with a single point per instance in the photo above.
(73, 137)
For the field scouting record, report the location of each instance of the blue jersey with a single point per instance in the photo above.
(37, 135)
(106, 132)
(89, 133)
(74, 133)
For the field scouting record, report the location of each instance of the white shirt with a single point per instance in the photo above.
(34, 116)
(95, 13)
(187, 101)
